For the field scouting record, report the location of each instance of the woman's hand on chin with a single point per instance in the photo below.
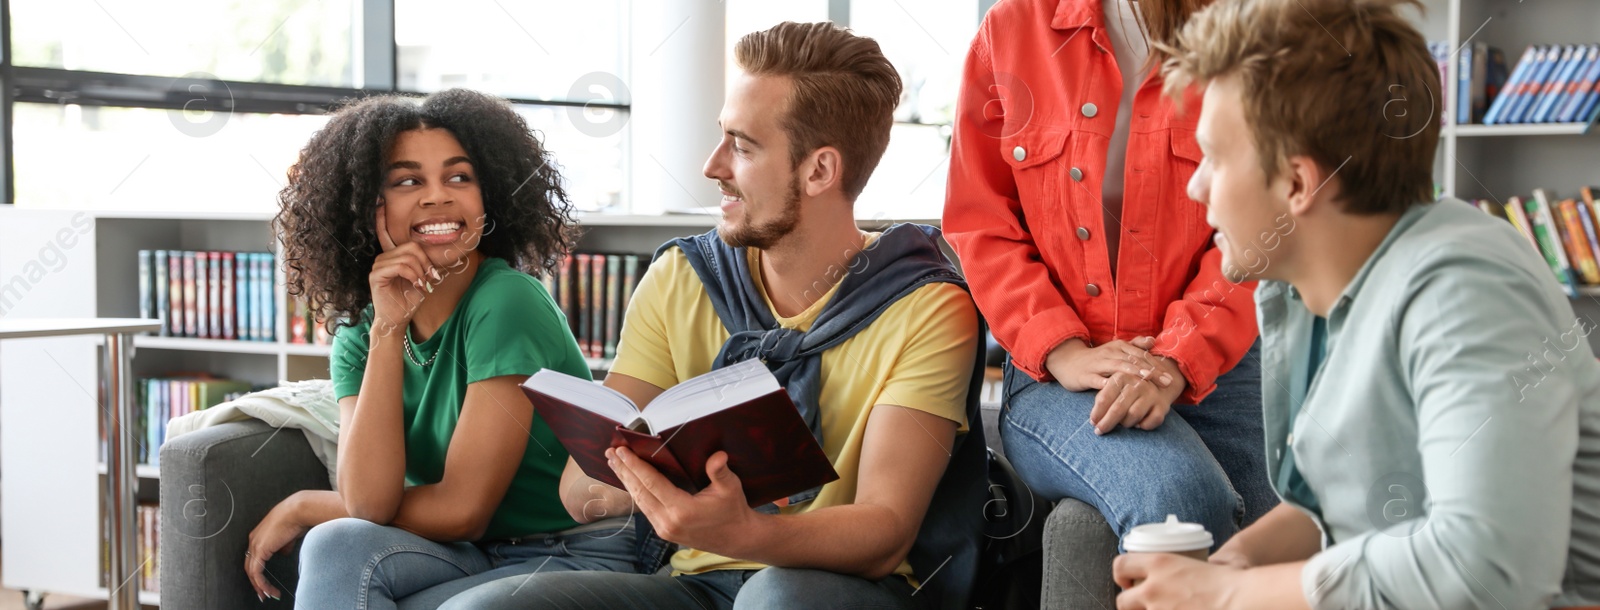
(402, 276)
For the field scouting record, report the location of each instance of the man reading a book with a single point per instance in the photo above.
(1432, 404)
(872, 334)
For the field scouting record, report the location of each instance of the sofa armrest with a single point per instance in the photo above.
(217, 483)
(1079, 547)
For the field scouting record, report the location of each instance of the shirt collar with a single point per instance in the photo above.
(1407, 220)
(1072, 14)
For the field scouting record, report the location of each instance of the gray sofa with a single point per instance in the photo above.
(1079, 547)
(218, 483)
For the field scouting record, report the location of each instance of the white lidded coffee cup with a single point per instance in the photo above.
(1170, 536)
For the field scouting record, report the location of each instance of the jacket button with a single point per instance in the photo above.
(1092, 289)
(1019, 154)
(1089, 110)
(1083, 233)
(1077, 174)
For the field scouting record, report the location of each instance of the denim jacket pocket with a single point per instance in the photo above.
(1186, 158)
(1033, 156)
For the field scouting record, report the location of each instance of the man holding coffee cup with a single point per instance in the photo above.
(1423, 462)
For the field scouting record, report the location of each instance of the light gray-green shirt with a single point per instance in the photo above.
(1452, 434)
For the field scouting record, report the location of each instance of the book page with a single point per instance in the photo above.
(720, 389)
(584, 394)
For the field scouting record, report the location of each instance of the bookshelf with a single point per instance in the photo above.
(1495, 162)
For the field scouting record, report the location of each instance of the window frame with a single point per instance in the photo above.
(378, 72)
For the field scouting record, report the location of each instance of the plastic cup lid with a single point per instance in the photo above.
(1171, 536)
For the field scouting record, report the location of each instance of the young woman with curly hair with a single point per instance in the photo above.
(413, 223)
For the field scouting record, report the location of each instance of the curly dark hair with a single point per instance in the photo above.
(326, 222)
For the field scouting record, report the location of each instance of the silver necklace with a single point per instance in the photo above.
(413, 357)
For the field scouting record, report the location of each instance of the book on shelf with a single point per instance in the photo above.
(739, 409)
(1537, 76)
(597, 315)
(1584, 92)
(202, 289)
(1472, 70)
(1550, 84)
(1591, 232)
(1564, 232)
(1518, 215)
(214, 299)
(1558, 92)
(225, 300)
(581, 333)
(593, 289)
(206, 294)
(1576, 241)
(299, 322)
(162, 289)
(1571, 57)
(266, 306)
(191, 323)
(1546, 230)
(1513, 85)
(163, 398)
(305, 327)
(146, 547)
(1441, 58)
(147, 259)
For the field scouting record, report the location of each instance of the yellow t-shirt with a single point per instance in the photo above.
(917, 355)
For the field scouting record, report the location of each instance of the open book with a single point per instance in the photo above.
(739, 409)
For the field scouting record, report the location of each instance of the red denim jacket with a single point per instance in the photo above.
(1034, 119)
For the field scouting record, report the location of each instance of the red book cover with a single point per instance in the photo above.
(298, 331)
(175, 320)
(202, 291)
(191, 316)
(739, 409)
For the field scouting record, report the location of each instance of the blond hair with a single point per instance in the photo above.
(844, 96)
(1348, 83)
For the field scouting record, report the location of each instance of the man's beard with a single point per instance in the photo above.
(764, 236)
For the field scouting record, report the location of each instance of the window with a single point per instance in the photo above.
(540, 50)
(95, 80)
(295, 42)
(72, 156)
(530, 50)
(927, 43)
(590, 159)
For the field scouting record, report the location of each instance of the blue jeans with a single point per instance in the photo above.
(353, 563)
(1206, 463)
(770, 588)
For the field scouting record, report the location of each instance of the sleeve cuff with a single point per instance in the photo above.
(656, 376)
(1041, 335)
(1193, 391)
(1321, 578)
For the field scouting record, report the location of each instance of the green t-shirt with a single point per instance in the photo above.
(505, 324)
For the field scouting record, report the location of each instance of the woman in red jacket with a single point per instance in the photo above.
(1132, 383)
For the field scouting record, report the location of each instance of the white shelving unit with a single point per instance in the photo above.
(1498, 161)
